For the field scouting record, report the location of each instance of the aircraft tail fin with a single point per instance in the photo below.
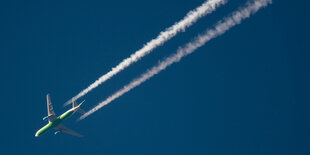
(79, 110)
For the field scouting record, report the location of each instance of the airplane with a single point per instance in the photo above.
(55, 122)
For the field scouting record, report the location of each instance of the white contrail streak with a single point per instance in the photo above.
(220, 28)
(191, 17)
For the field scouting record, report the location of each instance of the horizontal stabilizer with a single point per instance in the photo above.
(79, 110)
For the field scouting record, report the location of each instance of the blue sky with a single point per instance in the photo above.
(245, 92)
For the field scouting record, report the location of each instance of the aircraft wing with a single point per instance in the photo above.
(50, 110)
(64, 129)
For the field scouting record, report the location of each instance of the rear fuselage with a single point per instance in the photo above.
(55, 123)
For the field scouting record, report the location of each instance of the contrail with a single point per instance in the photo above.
(220, 28)
(191, 17)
